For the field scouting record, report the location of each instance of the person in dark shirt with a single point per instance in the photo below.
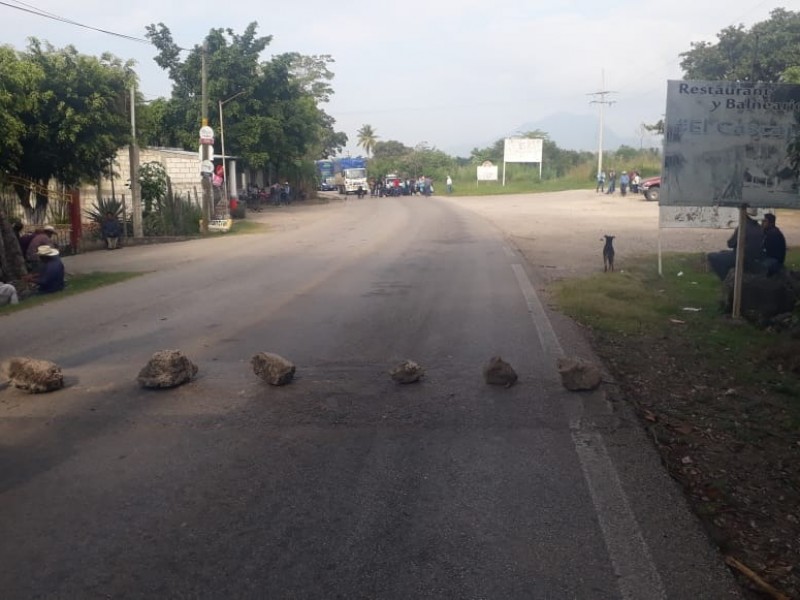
(111, 230)
(50, 276)
(724, 261)
(774, 245)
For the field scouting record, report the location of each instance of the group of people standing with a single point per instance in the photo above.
(628, 180)
(764, 248)
(397, 186)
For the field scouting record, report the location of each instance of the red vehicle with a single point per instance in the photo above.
(651, 188)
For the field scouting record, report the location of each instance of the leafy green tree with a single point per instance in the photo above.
(79, 118)
(626, 153)
(367, 138)
(312, 74)
(154, 181)
(391, 149)
(18, 81)
(276, 122)
(762, 53)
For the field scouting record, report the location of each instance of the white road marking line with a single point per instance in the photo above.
(509, 252)
(637, 576)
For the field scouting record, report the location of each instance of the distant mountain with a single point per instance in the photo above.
(576, 132)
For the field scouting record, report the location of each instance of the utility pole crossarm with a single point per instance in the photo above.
(601, 99)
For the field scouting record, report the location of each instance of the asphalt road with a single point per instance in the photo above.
(343, 484)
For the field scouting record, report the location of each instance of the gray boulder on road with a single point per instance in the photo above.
(273, 368)
(407, 372)
(499, 372)
(33, 375)
(167, 369)
(578, 374)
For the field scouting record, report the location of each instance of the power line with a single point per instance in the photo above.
(29, 8)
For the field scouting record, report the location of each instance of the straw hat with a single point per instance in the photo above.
(46, 251)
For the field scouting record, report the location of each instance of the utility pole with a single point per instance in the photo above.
(136, 194)
(601, 99)
(204, 148)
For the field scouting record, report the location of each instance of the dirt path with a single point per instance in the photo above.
(561, 233)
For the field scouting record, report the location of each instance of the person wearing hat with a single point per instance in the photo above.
(50, 277)
(724, 261)
(42, 236)
(774, 245)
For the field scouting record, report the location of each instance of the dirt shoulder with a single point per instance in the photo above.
(733, 446)
(560, 234)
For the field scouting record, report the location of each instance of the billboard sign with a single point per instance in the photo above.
(729, 143)
(522, 150)
(487, 172)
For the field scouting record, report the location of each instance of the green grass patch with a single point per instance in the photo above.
(492, 188)
(245, 226)
(684, 304)
(76, 284)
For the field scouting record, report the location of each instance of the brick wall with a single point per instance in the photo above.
(182, 167)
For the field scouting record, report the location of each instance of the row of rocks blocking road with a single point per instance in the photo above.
(171, 368)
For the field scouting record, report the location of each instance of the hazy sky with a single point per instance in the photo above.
(453, 74)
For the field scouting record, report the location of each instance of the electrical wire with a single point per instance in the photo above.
(29, 8)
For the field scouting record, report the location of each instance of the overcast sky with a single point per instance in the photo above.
(453, 74)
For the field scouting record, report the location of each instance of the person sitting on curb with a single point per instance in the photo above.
(724, 261)
(8, 294)
(50, 276)
(111, 230)
(774, 245)
(43, 236)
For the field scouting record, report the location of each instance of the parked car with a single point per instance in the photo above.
(651, 188)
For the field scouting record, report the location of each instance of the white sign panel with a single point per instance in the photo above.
(206, 133)
(487, 173)
(702, 217)
(727, 144)
(523, 150)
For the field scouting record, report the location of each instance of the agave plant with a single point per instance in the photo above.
(97, 213)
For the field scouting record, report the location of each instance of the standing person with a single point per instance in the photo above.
(601, 182)
(612, 182)
(111, 230)
(624, 180)
(449, 184)
(774, 247)
(635, 181)
(286, 194)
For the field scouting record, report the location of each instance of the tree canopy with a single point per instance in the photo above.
(275, 118)
(763, 53)
(63, 113)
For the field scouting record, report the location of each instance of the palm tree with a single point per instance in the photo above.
(367, 138)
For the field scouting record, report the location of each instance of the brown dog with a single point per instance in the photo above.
(608, 254)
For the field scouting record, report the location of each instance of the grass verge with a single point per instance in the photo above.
(76, 284)
(719, 397)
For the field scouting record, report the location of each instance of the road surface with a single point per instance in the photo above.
(343, 484)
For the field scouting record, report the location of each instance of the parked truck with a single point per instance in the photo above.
(350, 174)
(326, 180)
